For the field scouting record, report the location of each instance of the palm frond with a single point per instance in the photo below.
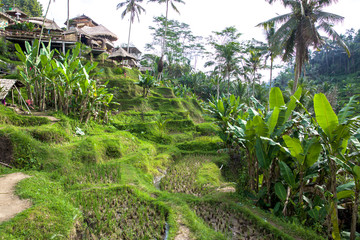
(174, 7)
(334, 35)
(328, 17)
(275, 20)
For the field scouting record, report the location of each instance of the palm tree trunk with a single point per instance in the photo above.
(68, 15)
(128, 46)
(166, 28)
(42, 27)
(253, 85)
(228, 77)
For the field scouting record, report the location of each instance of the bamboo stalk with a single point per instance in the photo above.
(6, 165)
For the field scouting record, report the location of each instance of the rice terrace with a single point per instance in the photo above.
(177, 120)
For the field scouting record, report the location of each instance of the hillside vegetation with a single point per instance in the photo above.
(155, 168)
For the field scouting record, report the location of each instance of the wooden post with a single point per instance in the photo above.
(12, 96)
(23, 99)
(63, 47)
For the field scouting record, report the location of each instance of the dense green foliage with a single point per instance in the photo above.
(31, 7)
(287, 152)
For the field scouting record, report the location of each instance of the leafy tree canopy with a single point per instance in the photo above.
(31, 7)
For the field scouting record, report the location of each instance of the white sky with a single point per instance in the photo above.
(203, 16)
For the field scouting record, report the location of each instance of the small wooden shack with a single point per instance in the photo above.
(121, 55)
(17, 14)
(8, 85)
(133, 51)
(85, 30)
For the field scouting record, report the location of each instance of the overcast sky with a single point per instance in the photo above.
(203, 16)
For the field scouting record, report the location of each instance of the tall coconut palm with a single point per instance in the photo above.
(132, 7)
(68, 15)
(166, 19)
(272, 50)
(300, 30)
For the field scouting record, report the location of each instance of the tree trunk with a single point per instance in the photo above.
(253, 85)
(68, 15)
(333, 209)
(301, 191)
(128, 46)
(228, 77)
(166, 28)
(42, 27)
(355, 212)
(284, 211)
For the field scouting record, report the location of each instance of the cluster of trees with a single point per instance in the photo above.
(31, 7)
(63, 83)
(295, 162)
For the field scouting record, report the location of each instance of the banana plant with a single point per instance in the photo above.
(335, 135)
(225, 111)
(146, 81)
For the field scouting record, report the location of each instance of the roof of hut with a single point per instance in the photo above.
(121, 54)
(15, 10)
(75, 30)
(82, 17)
(5, 15)
(49, 24)
(100, 31)
(133, 50)
(6, 85)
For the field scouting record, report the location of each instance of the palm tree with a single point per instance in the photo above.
(300, 30)
(166, 19)
(226, 60)
(272, 51)
(134, 8)
(227, 53)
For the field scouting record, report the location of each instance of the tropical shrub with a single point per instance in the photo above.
(63, 83)
(293, 157)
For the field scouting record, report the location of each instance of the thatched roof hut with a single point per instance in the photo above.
(49, 24)
(120, 54)
(100, 31)
(6, 16)
(16, 12)
(81, 21)
(6, 85)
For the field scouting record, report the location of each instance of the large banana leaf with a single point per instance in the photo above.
(273, 120)
(292, 103)
(280, 191)
(296, 150)
(287, 174)
(325, 115)
(276, 98)
(264, 161)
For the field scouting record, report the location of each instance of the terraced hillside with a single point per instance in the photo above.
(154, 172)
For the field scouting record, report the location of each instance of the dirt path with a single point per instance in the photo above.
(10, 204)
(183, 233)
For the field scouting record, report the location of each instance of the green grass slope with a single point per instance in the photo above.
(154, 169)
